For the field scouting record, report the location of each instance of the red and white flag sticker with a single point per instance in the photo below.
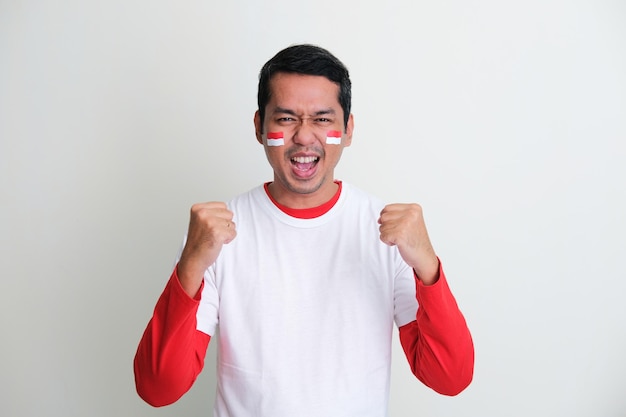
(333, 137)
(275, 138)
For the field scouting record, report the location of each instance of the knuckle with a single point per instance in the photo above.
(416, 211)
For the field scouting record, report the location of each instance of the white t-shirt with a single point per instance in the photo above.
(305, 310)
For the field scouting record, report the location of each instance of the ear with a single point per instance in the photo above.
(349, 129)
(257, 127)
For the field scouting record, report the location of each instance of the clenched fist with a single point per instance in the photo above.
(403, 225)
(210, 227)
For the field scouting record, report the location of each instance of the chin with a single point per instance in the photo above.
(303, 186)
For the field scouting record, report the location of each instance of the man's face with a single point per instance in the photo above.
(305, 108)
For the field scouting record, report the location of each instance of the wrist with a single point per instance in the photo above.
(428, 274)
(190, 277)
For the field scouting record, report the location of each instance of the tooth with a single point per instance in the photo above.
(304, 159)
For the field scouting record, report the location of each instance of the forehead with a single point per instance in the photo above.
(288, 90)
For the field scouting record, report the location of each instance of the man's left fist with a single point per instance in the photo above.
(403, 225)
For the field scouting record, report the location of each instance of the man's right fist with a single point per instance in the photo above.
(210, 226)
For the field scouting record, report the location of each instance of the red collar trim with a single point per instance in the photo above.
(306, 213)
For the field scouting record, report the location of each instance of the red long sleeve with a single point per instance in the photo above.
(438, 344)
(171, 352)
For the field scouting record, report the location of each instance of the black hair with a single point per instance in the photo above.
(307, 60)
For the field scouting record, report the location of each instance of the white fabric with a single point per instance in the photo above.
(305, 309)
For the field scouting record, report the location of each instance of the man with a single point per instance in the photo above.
(304, 276)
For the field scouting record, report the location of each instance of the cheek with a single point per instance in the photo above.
(275, 139)
(274, 154)
(333, 152)
(333, 137)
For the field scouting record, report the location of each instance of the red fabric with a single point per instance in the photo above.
(171, 352)
(307, 213)
(438, 344)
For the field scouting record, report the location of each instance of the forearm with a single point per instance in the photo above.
(171, 352)
(438, 343)
(190, 276)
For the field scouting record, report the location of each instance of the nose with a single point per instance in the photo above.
(304, 134)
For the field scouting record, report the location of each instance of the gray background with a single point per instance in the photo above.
(505, 120)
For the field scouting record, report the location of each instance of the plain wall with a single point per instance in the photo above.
(505, 120)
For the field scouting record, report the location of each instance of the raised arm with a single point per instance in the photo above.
(438, 343)
(171, 352)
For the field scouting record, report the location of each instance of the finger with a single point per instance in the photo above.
(388, 234)
(215, 204)
(232, 234)
(391, 211)
(231, 225)
(387, 239)
(211, 205)
(225, 214)
(219, 213)
(226, 229)
(222, 226)
(391, 208)
(207, 213)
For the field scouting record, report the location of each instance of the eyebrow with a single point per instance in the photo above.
(293, 113)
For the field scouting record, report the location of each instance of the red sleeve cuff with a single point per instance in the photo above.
(178, 290)
(440, 275)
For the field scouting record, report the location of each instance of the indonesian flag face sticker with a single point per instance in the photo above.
(275, 139)
(333, 137)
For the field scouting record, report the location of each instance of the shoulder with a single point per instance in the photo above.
(364, 199)
(247, 197)
(250, 202)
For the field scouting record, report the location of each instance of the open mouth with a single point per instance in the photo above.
(304, 163)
